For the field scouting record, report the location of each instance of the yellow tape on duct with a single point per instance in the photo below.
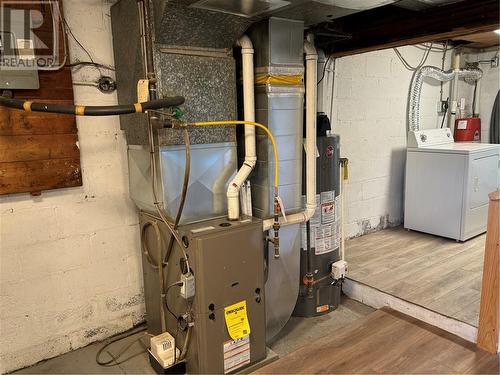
(237, 320)
(278, 79)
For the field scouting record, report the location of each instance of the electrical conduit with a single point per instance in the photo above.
(233, 203)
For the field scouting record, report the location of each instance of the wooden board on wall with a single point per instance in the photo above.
(39, 151)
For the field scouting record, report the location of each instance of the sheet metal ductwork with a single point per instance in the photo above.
(423, 4)
(230, 15)
(279, 68)
(439, 75)
(192, 54)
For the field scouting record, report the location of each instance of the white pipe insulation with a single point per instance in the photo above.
(310, 145)
(233, 190)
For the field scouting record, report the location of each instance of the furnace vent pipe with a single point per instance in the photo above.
(454, 91)
(438, 74)
(233, 202)
(310, 145)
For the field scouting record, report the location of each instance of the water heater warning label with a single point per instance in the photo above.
(236, 353)
(325, 224)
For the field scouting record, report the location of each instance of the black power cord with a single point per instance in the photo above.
(324, 70)
(114, 358)
(445, 107)
(178, 283)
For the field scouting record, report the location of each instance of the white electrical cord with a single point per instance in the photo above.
(420, 64)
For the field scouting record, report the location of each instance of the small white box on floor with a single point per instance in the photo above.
(162, 348)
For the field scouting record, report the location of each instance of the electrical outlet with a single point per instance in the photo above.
(442, 106)
(494, 62)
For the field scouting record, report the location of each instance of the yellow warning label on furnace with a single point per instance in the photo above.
(237, 320)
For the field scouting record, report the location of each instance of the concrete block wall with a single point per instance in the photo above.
(369, 112)
(70, 269)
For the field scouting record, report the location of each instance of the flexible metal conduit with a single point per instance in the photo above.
(438, 74)
(233, 190)
(311, 87)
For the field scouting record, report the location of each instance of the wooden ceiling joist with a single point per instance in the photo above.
(392, 26)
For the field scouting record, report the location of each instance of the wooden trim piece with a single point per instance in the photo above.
(378, 299)
(489, 314)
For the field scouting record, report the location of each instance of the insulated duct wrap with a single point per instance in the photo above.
(439, 75)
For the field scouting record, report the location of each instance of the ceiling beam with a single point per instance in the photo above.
(392, 26)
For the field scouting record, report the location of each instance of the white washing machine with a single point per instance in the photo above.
(447, 184)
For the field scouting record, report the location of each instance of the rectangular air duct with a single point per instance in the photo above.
(242, 8)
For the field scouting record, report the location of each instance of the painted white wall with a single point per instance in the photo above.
(369, 112)
(69, 260)
(488, 89)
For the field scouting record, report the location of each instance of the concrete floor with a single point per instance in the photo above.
(297, 333)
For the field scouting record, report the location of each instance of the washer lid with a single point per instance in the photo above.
(459, 148)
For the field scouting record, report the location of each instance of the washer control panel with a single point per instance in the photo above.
(429, 137)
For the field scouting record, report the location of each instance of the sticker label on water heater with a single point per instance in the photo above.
(325, 224)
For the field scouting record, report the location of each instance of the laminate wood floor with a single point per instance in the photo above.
(387, 342)
(434, 272)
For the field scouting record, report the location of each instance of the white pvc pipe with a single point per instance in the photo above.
(454, 93)
(233, 202)
(342, 212)
(311, 87)
(475, 110)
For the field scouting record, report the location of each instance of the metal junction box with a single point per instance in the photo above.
(227, 262)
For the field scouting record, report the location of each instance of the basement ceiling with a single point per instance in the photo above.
(481, 40)
(410, 22)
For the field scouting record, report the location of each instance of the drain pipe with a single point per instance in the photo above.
(310, 146)
(454, 93)
(233, 190)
